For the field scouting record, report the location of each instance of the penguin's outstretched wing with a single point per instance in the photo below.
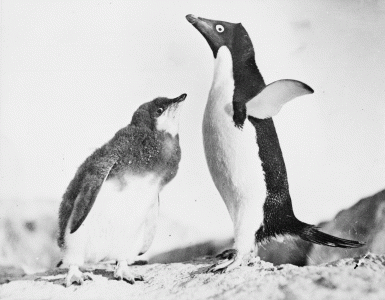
(271, 99)
(83, 190)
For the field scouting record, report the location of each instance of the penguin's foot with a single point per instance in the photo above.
(122, 272)
(75, 275)
(229, 260)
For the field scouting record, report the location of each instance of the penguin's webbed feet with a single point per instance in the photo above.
(122, 272)
(76, 276)
(229, 261)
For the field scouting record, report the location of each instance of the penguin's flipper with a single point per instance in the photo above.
(92, 183)
(271, 99)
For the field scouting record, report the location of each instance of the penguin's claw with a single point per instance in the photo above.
(224, 267)
(122, 272)
(232, 261)
(227, 254)
(76, 276)
(217, 269)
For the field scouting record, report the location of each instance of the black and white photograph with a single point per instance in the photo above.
(192, 149)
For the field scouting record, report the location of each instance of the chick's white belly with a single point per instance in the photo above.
(121, 223)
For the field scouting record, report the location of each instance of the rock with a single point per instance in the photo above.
(28, 235)
(353, 278)
(10, 272)
(364, 221)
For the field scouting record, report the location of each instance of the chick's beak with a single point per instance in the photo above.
(180, 98)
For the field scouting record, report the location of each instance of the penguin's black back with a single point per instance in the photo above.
(278, 214)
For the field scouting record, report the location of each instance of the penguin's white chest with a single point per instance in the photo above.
(232, 153)
(122, 222)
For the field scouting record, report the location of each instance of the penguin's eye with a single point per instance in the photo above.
(219, 28)
(159, 111)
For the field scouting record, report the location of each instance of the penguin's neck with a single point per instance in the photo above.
(271, 157)
(248, 81)
(223, 71)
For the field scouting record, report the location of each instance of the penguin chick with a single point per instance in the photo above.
(110, 208)
(242, 148)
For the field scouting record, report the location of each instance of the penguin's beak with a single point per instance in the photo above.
(179, 99)
(174, 104)
(206, 28)
(192, 19)
(168, 120)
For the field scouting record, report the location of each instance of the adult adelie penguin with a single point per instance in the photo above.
(238, 111)
(110, 208)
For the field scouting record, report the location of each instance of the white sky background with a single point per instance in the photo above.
(73, 72)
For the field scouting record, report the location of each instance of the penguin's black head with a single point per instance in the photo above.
(221, 33)
(248, 80)
(159, 114)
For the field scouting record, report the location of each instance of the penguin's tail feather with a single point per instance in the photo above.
(310, 233)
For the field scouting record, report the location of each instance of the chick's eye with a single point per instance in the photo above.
(219, 28)
(159, 111)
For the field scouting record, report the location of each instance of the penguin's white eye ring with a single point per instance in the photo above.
(220, 28)
(159, 111)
